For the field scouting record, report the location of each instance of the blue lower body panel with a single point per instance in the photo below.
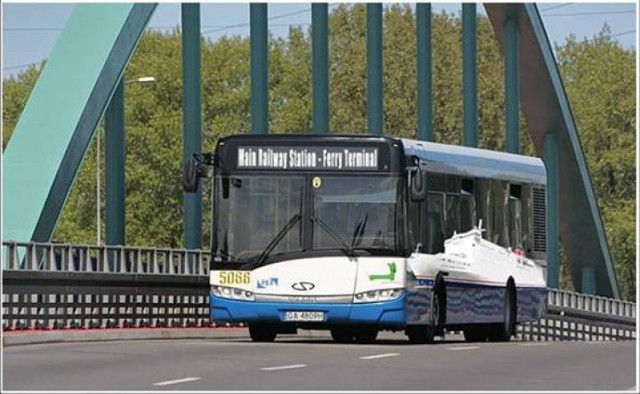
(388, 313)
(470, 303)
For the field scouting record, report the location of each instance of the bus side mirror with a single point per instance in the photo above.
(417, 184)
(189, 176)
(194, 169)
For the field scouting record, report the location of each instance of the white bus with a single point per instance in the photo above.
(347, 233)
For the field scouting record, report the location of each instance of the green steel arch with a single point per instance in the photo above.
(62, 113)
(552, 127)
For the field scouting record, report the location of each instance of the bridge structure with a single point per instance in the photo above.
(88, 64)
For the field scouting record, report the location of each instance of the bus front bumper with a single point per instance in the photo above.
(387, 313)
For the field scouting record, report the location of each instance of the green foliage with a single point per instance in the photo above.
(15, 93)
(598, 75)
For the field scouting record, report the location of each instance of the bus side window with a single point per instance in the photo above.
(435, 223)
(526, 204)
(467, 205)
(483, 204)
(515, 215)
(414, 221)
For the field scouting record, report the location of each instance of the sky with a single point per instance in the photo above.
(30, 30)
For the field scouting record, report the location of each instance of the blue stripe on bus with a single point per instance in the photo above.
(474, 303)
(472, 284)
(388, 313)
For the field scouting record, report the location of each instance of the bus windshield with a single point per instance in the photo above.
(360, 210)
(260, 216)
(253, 210)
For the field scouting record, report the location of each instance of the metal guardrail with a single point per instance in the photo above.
(33, 256)
(56, 286)
(583, 317)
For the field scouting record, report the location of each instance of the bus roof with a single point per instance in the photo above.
(474, 162)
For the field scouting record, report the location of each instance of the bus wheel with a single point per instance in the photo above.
(366, 335)
(420, 334)
(262, 333)
(439, 306)
(342, 334)
(502, 332)
(475, 333)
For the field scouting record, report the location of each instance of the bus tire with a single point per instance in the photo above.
(420, 334)
(502, 332)
(439, 306)
(262, 333)
(475, 333)
(342, 334)
(366, 335)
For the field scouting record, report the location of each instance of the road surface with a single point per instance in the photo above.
(316, 363)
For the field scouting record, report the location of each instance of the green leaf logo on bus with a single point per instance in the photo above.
(390, 276)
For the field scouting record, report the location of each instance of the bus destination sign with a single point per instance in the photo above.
(308, 158)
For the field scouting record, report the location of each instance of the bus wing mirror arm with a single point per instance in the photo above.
(195, 167)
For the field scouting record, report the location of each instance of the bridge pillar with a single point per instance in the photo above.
(424, 71)
(259, 36)
(191, 119)
(588, 281)
(374, 68)
(469, 75)
(114, 168)
(319, 31)
(550, 157)
(512, 84)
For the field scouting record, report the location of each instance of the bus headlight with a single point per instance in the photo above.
(232, 293)
(377, 295)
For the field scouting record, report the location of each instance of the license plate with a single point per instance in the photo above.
(303, 316)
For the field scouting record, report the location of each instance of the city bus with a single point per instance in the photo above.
(342, 233)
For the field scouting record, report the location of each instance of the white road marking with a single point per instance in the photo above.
(294, 366)
(170, 382)
(533, 344)
(375, 356)
(463, 348)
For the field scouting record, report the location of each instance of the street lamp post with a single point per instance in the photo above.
(114, 119)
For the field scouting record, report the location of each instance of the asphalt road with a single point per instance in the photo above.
(304, 363)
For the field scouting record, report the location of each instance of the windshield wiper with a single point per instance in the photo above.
(276, 240)
(346, 248)
(359, 232)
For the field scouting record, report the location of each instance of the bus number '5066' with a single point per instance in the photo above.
(234, 277)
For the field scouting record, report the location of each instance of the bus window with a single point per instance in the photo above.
(257, 208)
(361, 210)
(499, 213)
(467, 205)
(483, 202)
(435, 223)
(452, 214)
(515, 214)
(526, 217)
(414, 223)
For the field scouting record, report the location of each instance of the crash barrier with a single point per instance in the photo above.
(580, 317)
(57, 286)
